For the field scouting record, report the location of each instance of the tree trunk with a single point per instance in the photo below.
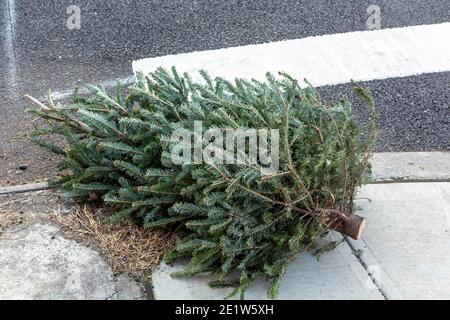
(351, 225)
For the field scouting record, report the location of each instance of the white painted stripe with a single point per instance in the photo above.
(324, 60)
(9, 36)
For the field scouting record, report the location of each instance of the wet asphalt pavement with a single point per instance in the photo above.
(38, 52)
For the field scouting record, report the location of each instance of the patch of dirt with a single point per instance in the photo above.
(21, 161)
(9, 221)
(37, 202)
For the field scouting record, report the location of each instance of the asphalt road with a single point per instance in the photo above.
(38, 52)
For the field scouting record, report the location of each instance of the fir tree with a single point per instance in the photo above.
(229, 217)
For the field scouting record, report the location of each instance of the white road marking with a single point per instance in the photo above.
(9, 36)
(324, 60)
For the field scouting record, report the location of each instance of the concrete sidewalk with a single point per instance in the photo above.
(337, 275)
(406, 243)
(37, 262)
(404, 252)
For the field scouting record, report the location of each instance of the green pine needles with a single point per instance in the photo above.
(232, 219)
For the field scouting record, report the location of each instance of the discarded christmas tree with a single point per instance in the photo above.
(233, 208)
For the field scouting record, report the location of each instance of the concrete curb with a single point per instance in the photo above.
(410, 166)
(24, 188)
(386, 167)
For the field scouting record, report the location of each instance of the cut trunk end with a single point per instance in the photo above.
(352, 225)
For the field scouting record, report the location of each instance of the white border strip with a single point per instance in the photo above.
(9, 36)
(324, 60)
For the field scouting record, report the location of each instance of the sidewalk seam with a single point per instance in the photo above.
(385, 285)
(408, 180)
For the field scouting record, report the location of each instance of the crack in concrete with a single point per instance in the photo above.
(380, 278)
(364, 265)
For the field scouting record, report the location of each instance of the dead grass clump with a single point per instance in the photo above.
(127, 246)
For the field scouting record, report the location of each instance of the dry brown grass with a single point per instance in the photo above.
(128, 247)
